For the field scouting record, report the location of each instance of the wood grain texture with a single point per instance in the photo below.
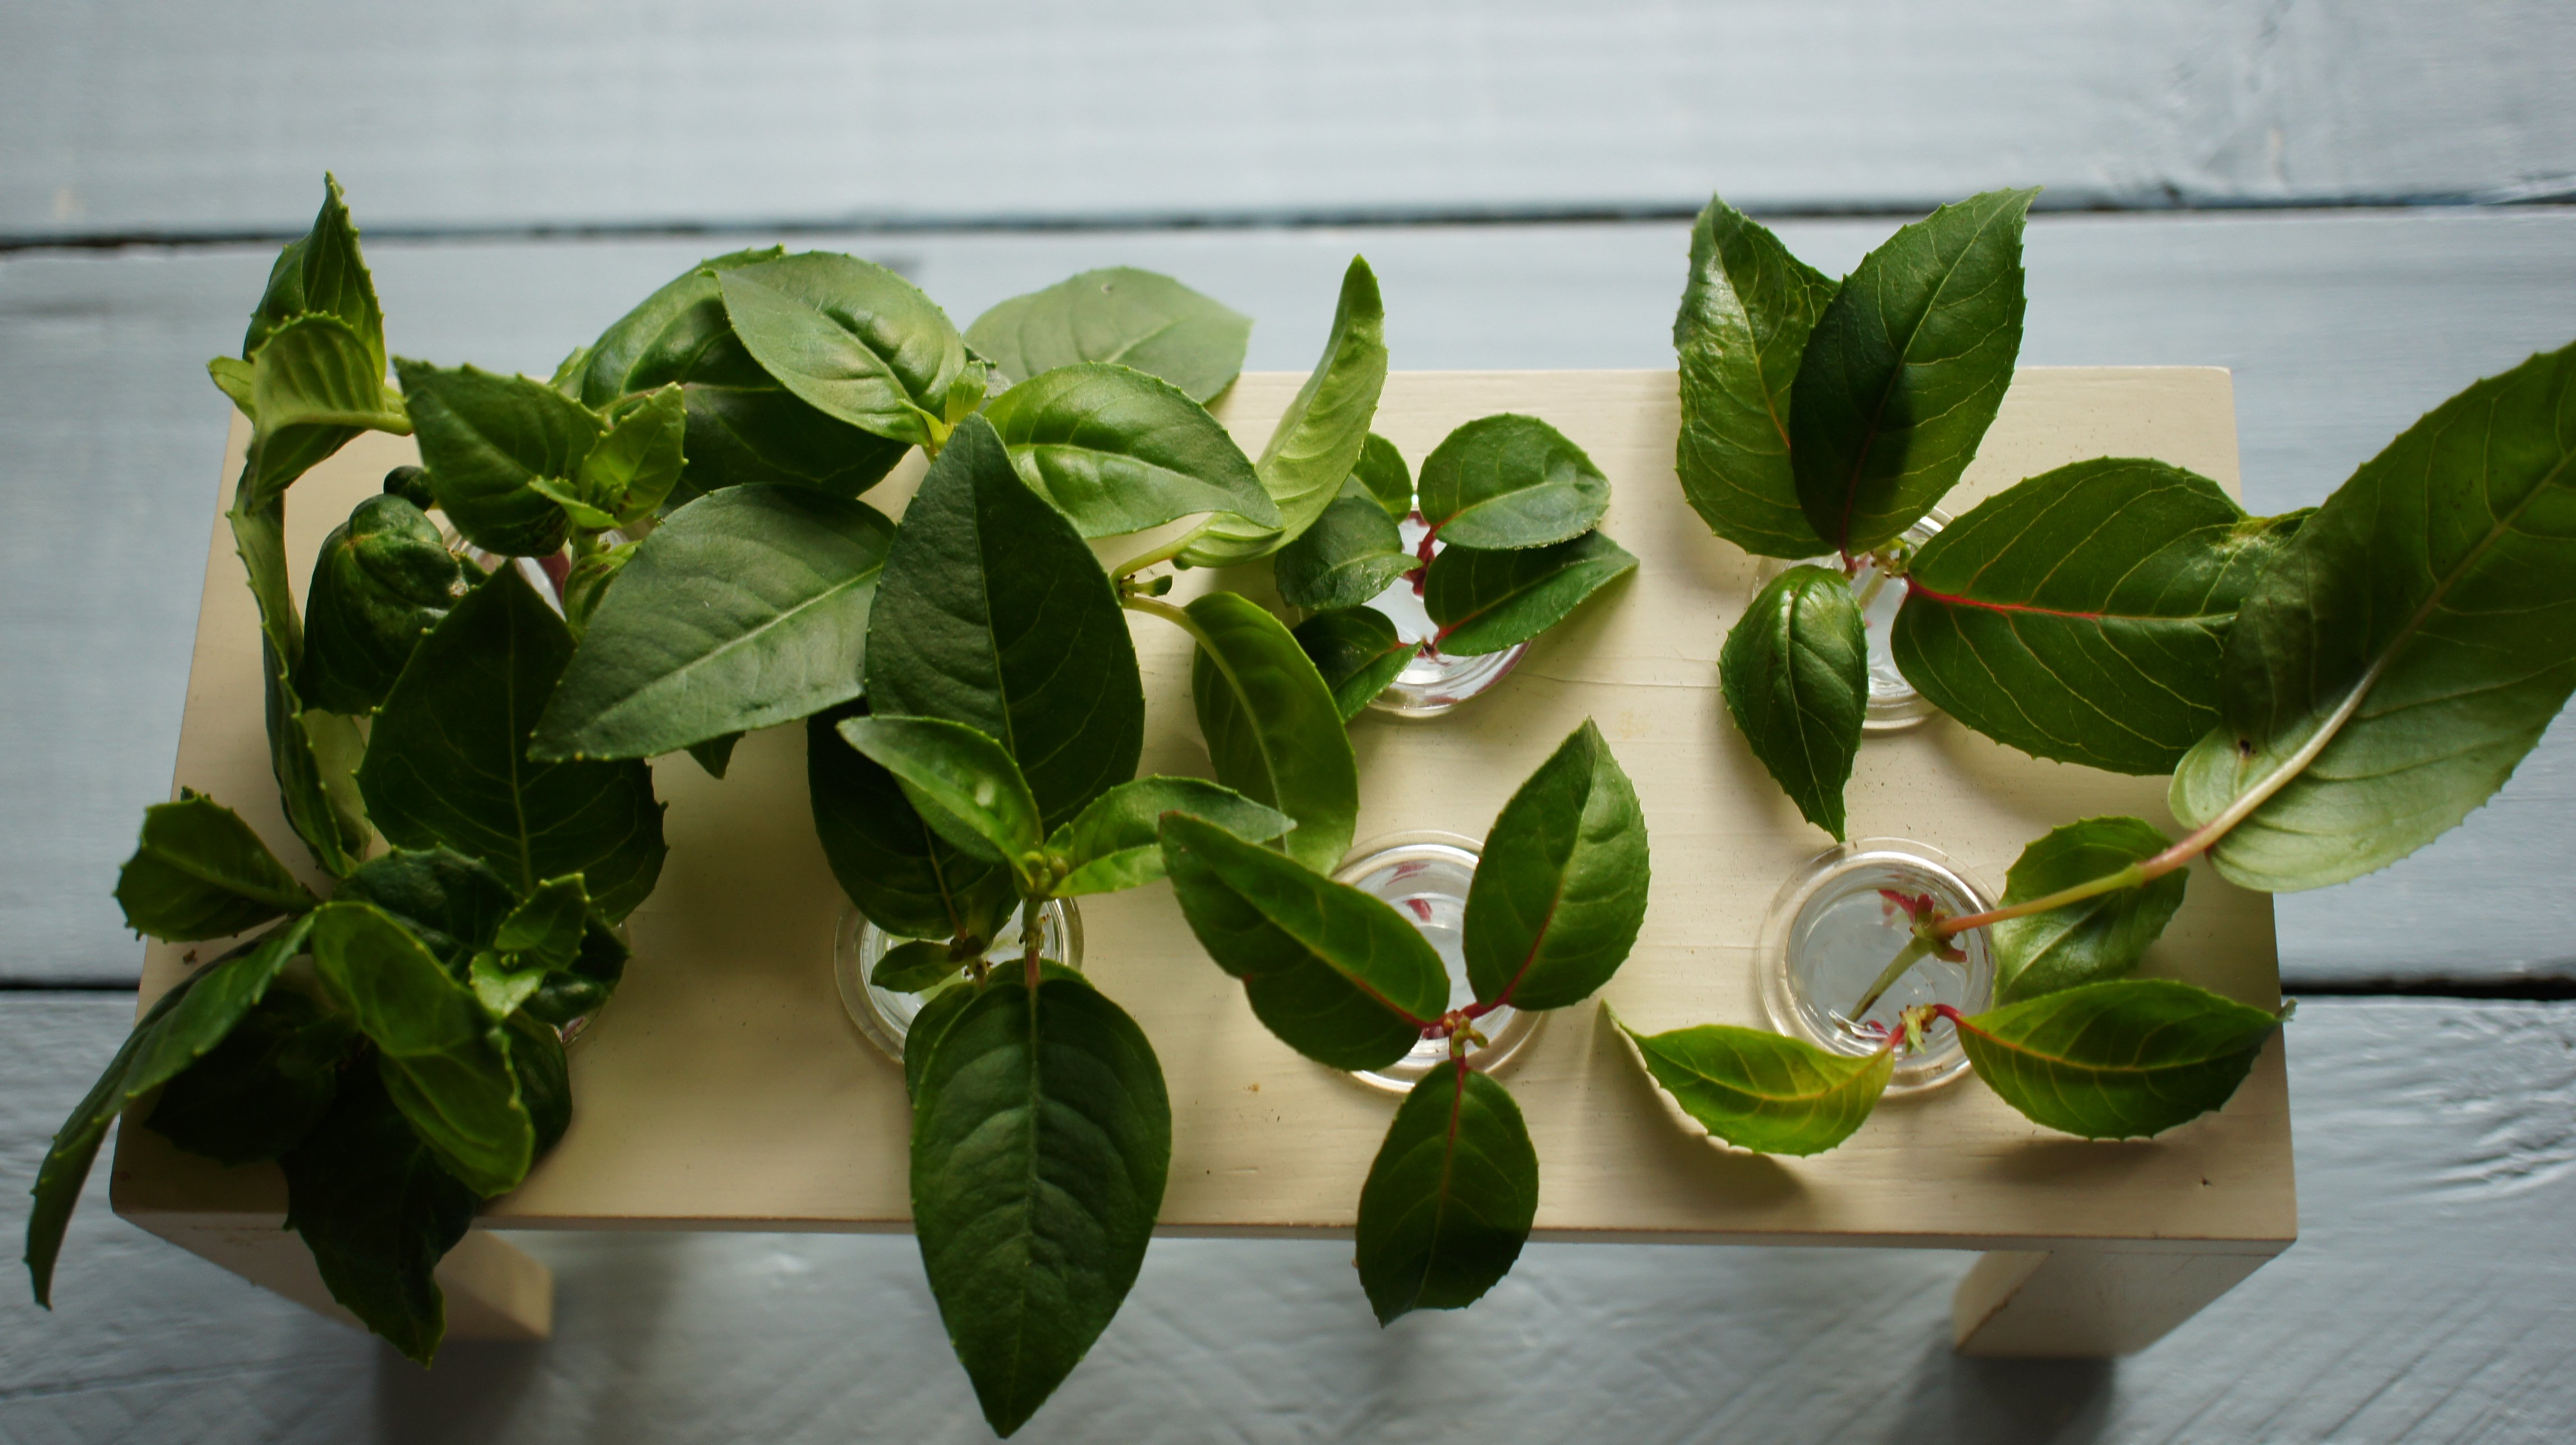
(146, 116)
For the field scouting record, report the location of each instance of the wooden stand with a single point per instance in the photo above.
(724, 1088)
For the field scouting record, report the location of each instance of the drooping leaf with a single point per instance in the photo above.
(1317, 442)
(314, 384)
(1487, 601)
(962, 782)
(322, 271)
(1351, 554)
(743, 426)
(1117, 451)
(1135, 318)
(259, 1092)
(1338, 975)
(1745, 315)
(1905, 370)
(1510, 481)
(2098, 938)
(2408, 647)
(1382, 471)
(1273, 730)
(639, 459)
(914, 967)
(1764, 1091)
(379, 1214)
(1357, 651)
(856, 342)
(1449, 1198)
(448, 760)
(181, 1027)
(901, 874)
(1560, 890)
(1041, 1139)
(2120, 1060)
(748, 608)
(200, 872)
(994, 613)
(383, 580)
(2080, 615)
(1117, 842)
(487, 439)
(1795, 672)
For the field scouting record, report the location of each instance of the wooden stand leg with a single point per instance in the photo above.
(2085, 1304)
(494, 1290)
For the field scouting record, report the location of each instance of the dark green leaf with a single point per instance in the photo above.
(1906, 368)
(546, 928)
(1745, 315)
(1510, 481)
(715, 754)
(378, 1214)
(748, 608)
(1560, 890)
(412, 485)
(2120, 1060)
(2099, 938)
(1272, 728)
(311, 754)
(1336, 974)
(570, 993)
(383, 580)
(486, 440)
(448, 763)
(2080, 615)
(1318, 439)
(1795, 672)
(1117, 842)
(962, 783)
(915, 967)
(2408, 647)
(200, 872)
(900, 873)
(1041, 1138)
(994, 613)
(921, 1040)
(1449, 1198)
(322, 271)
(545, 1078)
(1351, 554)
(1357, 651)
(638, 462)
(1487, 601)
(259, 1092)
(1382, 471)
(1135, 318)
(856, 342)
(1762, 1091)
(451, 903)
(314, 384)
(181, 1027)
(1119, 451)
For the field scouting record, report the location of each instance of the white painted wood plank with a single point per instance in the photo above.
(2340, 329)
(2423, 1302)
(149, 115)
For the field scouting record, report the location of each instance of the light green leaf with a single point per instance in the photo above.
(963, 783)
(1449, 1198)
(1560, 890)
(638, 462)
(895, 867)
(1795, 672)
(1381, 470)
(1351, 554)
(1510, 481)
(856, 342)
(1488, 601)
(1116, 843)
(487, 439)
(546, 928)
(586, 585)
(1273, 730)
(200, 872)
(322, 272)
(1135, 318)
(1745, 315)
(1117, 450)
(1761, 1091)
(314, 385)
(2121, 1060)
(1357, 652)
(378, 1213)
(2098, 938)
(383, 580)
(501, 983)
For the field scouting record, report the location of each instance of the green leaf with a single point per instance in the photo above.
(638, 462)
(2121, 1060)
(1272, 728)
(1905, 370)
(545, 1077)
(259, 1092)
(586, 585)
(2098, 938)
(899, 872)
(1487, 601)
(487, 440)
(1119, 451)
(1795, 672)
(1135, 318)
(1041, 1139)
(378, 1214)
(318, 799)
(443, 1058)
(748, 608)
(1745, 316)
(994, 613)
(314, 384)
(546, 928)
(1338, 975)
(915, 967)
(448, 760)
(1317, 442)
(383, 580)
(715, 754)
(2080, 616)
(1357, 651)
(1560, 891)
(856, 342)
(453, 905)
(235, 378)
(963, 783)
(200, 872)
(501, 984)
(1382, 471)
(322, 272)
(1351, 554)
(1510, 481)
(743, 426)
(2408, 647)
(1117, 842)
(567, 994)
(1449, 1198)
(938, 1013)
(181, 1027)
(1762, 1091)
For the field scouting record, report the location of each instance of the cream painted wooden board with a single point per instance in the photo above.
(725, 1087)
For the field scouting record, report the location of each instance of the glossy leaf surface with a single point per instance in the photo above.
(856, 342)
(1795, 672)
(2098, 938)
(901, 874)
(378, 1213)
(1764, 1091)
(1382, 471)
(1560, 890)
(2121, 1060)
(1351, 554)
(1135, 318)
(259, 1092)
(1745, 315)
(486, 440)
(200, 872)
(1272, 728)
(1449, 1198)
(383, 580)
(1357, 651)
(962, 782)
(1116, 450)
(1486, 600)
(1117, 842)
(1510, 481)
